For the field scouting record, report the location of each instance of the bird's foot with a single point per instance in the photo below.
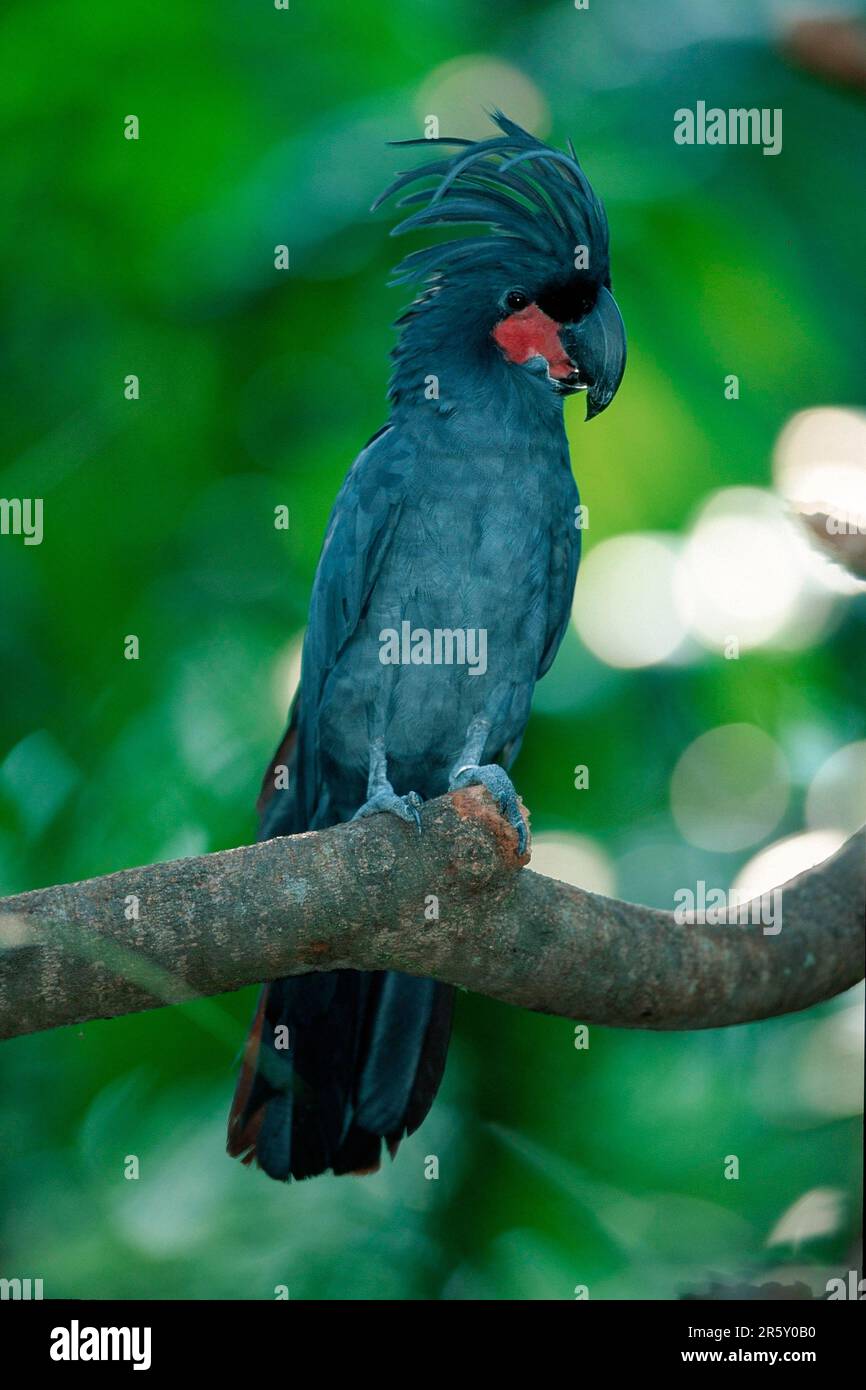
(500, 786)
(406, 807)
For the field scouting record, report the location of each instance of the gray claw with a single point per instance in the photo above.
(406, 807)
(500, 786)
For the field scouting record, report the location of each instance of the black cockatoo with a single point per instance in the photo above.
(458, 518)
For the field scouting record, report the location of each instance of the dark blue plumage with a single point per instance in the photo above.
(458, 517)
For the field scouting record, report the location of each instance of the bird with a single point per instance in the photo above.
(458, 517)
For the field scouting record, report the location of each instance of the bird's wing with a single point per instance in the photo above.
(360, 530)
(564, 560)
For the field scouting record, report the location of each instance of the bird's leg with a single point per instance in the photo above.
(467, 773)
(381, 796)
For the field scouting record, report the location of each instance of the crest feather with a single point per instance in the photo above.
(513, 184)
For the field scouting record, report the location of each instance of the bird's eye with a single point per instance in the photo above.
(515, 300)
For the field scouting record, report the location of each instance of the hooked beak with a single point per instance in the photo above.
(596, 345)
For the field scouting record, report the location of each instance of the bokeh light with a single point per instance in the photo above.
(784, 860)
(744, 577)
(461, 92)
(837, 794)
(624, 606)
(830, 1065)
(575, 859)
(287, 674)
(819, 467)
(730, 788)
(816, 1213)
(820, 461)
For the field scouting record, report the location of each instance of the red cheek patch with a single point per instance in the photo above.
(530, 333)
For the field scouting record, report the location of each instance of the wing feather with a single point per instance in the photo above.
(360, 530)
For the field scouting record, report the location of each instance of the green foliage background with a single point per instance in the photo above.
(558, 1167)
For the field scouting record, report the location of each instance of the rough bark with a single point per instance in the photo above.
(360, 896)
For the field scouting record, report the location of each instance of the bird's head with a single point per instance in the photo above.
(532, 293)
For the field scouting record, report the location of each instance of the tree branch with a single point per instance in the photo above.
(360, 896)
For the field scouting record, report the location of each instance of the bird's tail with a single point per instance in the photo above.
(338, 1061)
(335, 1063)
